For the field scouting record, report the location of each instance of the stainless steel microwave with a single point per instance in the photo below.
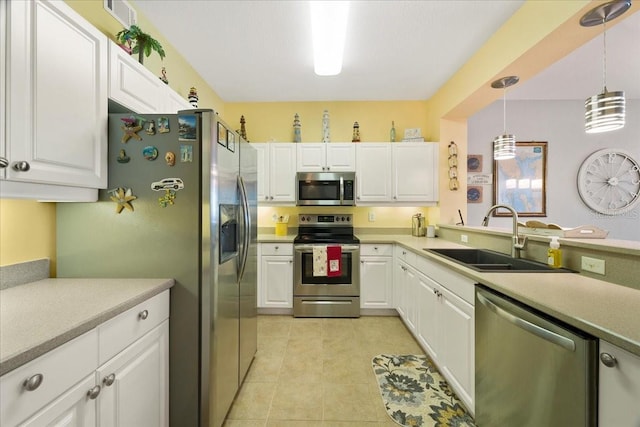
(325, 188)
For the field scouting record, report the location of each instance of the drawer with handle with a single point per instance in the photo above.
(276, 249)
(376, 249)
(33, 385)
(116, 334)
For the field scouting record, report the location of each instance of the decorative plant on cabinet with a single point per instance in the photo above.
(144, 43)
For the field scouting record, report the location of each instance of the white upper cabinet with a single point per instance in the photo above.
(373, 173)
(136, 88)
(326, 157)
(276, 172)
(132, 85)
(401, 173)
(55, 105)
(415, 172)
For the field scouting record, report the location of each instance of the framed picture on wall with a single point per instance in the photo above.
(521, 182)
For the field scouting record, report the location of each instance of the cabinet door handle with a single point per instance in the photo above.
(21, 166)
(271, 197)
(290, 261)
(143, 314)
(3, 163)
(266, 197)
(93, 392)
(33, 382)
(277, 247)
(109, 379)
(608, 360)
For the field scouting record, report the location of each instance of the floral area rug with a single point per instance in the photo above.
(415, 394)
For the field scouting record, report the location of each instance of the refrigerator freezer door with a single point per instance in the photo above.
(224, 326)
(249, 279)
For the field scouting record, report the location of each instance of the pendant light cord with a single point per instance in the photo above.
(604, 59)
(504, 110)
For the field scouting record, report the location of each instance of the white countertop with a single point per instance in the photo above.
(605, 310)
(39, 316)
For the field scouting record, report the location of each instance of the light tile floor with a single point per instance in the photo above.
(317, 372)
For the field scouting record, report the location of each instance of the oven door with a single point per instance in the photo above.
(306, 284)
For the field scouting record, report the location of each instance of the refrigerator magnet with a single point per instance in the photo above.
(187, 128)
(168, 199)
(130, 128)
(170, 158)
(123, 198)
(122, 157)
(163, 125)
(150, 128)
(150, 152)
(186, 153)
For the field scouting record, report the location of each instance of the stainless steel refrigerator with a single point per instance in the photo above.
(181, 203)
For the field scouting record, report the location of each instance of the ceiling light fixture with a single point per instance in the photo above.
(606, 111)
(329, 30)
(504, 146)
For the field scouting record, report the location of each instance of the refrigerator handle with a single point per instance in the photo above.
(246, 238)
(543, 333)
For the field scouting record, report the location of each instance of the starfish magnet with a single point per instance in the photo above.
(130, 128)
(123, 199)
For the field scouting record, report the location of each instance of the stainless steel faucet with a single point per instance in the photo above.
(518, 242)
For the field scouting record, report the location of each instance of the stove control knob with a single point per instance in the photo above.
(348, 219)
(343, 219)
(302, 219)
(338, 219)
(308, 218)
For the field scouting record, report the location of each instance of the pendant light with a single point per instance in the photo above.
(504, 146)
(606, 111)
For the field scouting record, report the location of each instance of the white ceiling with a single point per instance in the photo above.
(253, 51)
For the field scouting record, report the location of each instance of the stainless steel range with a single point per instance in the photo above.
(326, 267)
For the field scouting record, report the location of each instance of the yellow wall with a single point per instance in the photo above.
(385, 217)
(273, 121)
(27, 231)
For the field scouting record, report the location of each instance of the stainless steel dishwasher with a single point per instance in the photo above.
(531, 370)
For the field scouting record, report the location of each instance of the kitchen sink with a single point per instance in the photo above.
(491, 261)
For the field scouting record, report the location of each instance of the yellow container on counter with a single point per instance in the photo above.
(281, 228)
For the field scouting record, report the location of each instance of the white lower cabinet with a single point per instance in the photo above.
(436, 304)
(376, 276)
(74, 408)
(457, 338)
(275, 275)
(405, 285)
(67, 387)
(618, 388)
(135, 383)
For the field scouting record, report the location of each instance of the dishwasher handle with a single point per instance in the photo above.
(539, 331)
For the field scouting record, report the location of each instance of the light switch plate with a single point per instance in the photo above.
(593, 265)
(372, 216)
(464, 238)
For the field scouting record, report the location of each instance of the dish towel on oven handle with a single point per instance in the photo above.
(319, 260)
(334, 261)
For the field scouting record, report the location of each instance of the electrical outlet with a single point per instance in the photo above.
(593, 265)
(464, 238)
(372, 216)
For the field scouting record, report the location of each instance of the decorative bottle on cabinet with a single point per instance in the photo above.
(392, 134)
(356, 132)
(297, 136)
(325, 127)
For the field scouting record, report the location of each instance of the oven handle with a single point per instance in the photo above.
(345, 248)
(341, 191)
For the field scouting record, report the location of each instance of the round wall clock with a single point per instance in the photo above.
(609, 181)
